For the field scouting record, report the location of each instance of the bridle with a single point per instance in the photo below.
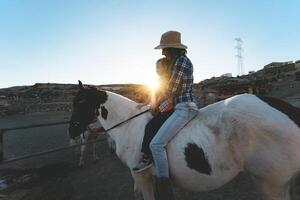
(123, 122)
(127, 120)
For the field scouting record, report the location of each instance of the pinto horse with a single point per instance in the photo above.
(241, 133)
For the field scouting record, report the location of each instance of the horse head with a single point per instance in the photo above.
(86, 104)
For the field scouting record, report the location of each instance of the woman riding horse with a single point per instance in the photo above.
(161, 108)
(180, 89)
(241, 133)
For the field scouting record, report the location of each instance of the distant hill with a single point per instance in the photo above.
(53, 97)
(280, 80)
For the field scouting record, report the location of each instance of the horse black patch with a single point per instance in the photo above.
(104, 112)
(102, 96)
(195, 159)
(292, 112)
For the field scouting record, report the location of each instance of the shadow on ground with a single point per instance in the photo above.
(108, 179)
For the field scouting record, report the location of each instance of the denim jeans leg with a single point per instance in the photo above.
(182, 115)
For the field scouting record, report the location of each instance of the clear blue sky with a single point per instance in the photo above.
(104, 42)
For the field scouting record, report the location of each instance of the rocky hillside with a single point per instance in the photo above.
(51, 97)
(281, 80)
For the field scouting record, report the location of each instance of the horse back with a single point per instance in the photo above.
(291, 111)
(228, 137)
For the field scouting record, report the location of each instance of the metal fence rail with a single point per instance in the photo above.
(6, 130)
(33, 126)
(49, 151)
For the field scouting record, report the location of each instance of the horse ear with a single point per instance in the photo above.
(80, 85)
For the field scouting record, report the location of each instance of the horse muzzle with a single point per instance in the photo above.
(75, 129)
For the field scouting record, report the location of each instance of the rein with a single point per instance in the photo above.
(123, 122)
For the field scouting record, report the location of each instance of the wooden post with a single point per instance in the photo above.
(1, 145)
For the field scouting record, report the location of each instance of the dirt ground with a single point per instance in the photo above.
(59, 178)
(56, 176)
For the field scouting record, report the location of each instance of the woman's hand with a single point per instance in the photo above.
(139, 106)
(153, 110)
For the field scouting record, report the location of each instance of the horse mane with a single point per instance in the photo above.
(291, 111)
(129, 104)
(121, 97)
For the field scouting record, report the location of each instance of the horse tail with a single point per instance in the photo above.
(293, 187)
(291, 111)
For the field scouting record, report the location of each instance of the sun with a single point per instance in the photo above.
(153, 85)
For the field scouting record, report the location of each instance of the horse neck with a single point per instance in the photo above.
(127, 136)
(119, 109)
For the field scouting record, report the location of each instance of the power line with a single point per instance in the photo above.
(238, 47)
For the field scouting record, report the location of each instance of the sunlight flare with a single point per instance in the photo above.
(153, 85)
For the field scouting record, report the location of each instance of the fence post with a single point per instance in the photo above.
(1, 144)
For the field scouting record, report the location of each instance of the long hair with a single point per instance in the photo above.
(174, 54)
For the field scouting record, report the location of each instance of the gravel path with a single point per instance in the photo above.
(108, 179)
(57, 177)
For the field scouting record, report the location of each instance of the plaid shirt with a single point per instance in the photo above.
(181, 82)
(165, 104)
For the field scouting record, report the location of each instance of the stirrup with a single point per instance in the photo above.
(146, 163)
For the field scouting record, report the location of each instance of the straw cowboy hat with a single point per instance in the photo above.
(171, 39)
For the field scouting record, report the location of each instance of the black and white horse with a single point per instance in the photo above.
(241, 133)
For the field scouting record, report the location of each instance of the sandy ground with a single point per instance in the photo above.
(57, 177)
(107, 179)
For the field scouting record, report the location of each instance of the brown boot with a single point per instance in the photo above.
(164, 189)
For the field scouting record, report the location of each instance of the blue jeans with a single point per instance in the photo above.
(183, 113)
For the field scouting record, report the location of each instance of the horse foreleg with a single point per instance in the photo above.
(95, 155)
(137, 194)
(82, 151)
(274, 191)
(143, 184)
